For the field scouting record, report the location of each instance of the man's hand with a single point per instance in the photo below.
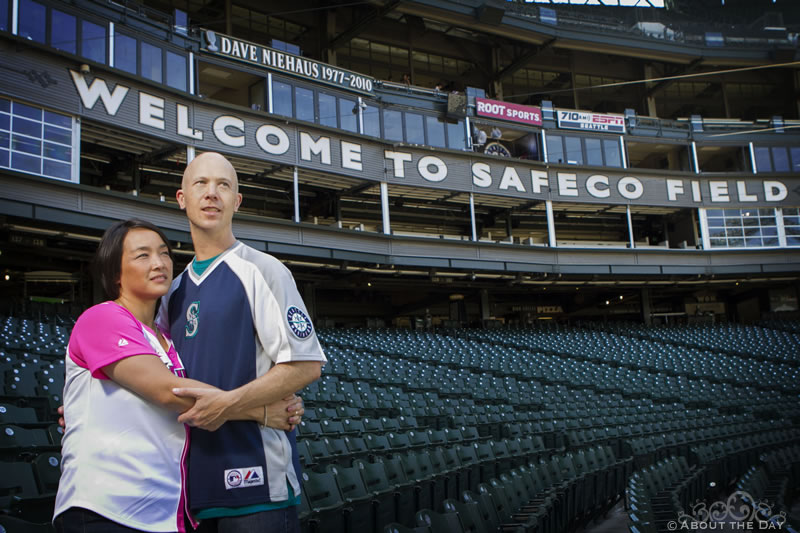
(285, 414)
(61, 421)
(210, 407)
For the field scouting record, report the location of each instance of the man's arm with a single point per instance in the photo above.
(282, 380)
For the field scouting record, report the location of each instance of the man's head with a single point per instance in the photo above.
(209, 194)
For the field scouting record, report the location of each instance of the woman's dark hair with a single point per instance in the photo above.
(108, 258)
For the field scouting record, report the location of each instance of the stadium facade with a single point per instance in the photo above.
(507, 161)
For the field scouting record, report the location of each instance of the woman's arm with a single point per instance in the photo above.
(147, 376)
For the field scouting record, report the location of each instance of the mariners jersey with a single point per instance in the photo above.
(231, 324)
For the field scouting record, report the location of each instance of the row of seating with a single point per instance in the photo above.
(769, 486)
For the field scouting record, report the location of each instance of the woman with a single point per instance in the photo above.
(123, 449)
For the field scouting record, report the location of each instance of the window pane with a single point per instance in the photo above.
(32, 19)
(555, 149)
(3, 158)
(176, 71)
(716, 222)
(63, 32)
(93, 41)
(56, 169)
(24, 144)
(780, 159)
(27, 127)
(4, 26)
(125, 53)
(574, 152)
(327, 110)
(27, 111)
(151, 62)
(763, 162)
(58, 135)
(611, 149)
(594, 152)
(414, 129)
(58, 119)
(281, 98)
(372, 121)
(5, 106)
(5, 122)
(795, 153)
(305, 104)
(25, 162)
(392, 125)
(435, 131)
(5, 142)
(57, 151)
(455, 135)
(349, 120)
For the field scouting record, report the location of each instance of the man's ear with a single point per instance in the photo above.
(181, 200)
(238, 202)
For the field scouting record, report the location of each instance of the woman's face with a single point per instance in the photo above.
(146, 266)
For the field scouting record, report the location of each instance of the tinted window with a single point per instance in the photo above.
(282, 98)
(372, 121)
(63, 32)
(763, 162)
(795, 153)
(304, 101)
(392, 125)
(455, 135)
(93, 41)
(555, 149)
(780, 159)
(176, 71)
(348, 118)
(611, 149)
(594, 152)
(327, 110)
(435, 129)
(414, 129)
(125, 53)
(574, 152)
(151, 62)
(4, 20)
(32, 18)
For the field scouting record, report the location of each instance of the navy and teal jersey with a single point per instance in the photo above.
(230, 325)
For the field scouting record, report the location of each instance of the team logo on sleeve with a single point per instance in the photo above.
(298, 322)
(192, 319)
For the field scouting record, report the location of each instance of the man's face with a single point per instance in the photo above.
(209, 192)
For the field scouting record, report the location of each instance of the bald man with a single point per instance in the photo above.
(239, 324)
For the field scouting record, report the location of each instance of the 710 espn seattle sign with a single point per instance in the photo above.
(581, 120)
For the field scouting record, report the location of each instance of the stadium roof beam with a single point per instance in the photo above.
(660, 86)
(347, 35)
(524, 59)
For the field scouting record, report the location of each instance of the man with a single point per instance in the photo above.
(239, 324)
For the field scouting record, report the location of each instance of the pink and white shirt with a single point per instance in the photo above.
(122, 455)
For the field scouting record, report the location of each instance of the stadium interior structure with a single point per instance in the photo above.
(552, 250)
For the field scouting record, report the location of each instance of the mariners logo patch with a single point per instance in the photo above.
(192, 319)
(298, 322)
(240, 478)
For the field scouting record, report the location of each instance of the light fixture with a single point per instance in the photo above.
(85, 69)
(620, 297)
(608, 302)
(8, 277)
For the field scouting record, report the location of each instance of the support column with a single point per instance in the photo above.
(646, 318)
(631, 242)
(387, 229)
(310, 299)
(296, 195)
(485, 311)
(497, 84)
(330, 33)
(551, 224)
(229, 17)
(472, 216)
(650, 100)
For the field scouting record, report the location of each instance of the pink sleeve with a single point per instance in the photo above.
(105, 334)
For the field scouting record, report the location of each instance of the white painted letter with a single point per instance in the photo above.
(424, 164)
(99, 89)
(591, 186)
(267, 131)
(183, 124)
(567, 184)
(719, 191)
(629, 181)
(320, 147)
(775, 191)
(351, 156)
(511, 179)
(538, 180)
(399, 158)
(741, 188)
(151, 110)
(674, 188)
(225, 121)
(481, 175)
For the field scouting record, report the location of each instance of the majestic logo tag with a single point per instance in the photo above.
(240, 478)
(122, 342)
(192, 319)
(298, 322)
